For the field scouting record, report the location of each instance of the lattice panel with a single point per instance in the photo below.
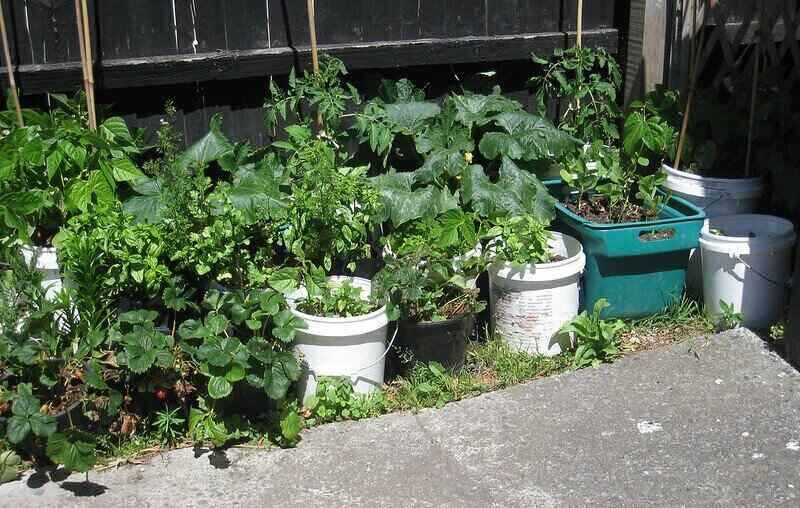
(739, 30)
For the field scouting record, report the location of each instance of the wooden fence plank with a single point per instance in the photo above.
(340, 21)
(503, 17)
(246, 24)
(432, 15)
(135, 28)
(288, 23)
(465, 17)
(227, 65)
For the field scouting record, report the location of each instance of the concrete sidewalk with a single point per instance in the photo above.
(710, 421)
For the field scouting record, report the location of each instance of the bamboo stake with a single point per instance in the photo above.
(84, 41)
(312, 29)
(89, 62)
(579, 44)
(12, 83)
(697, 52)
(753, 93)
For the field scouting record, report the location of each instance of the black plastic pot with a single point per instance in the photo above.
(435, 341)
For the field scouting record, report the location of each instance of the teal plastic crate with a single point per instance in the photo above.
(637, 274)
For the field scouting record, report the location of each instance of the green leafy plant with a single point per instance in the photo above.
(168, 425)
(338, 300)
(335, 400)
(587, 81)
(314, 94)
(10, 464)
(620, 186)
(519, 239)
(243, 337)
(26, 417)
(333, 207)
(597, 340)
(106, 255)
(728, 319)
(55, 167)
(427, 288)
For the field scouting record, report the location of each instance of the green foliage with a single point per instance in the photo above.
(333, 208)
(9, 466)
(27, 418)
(168, 425)
(496, 360)
(106, 255)
(587, 80)
(335, 400)
(243, 336)
(55, 167)
(527, 137)
(312, 95)
(142, 345)
(728, 319)
(428, 288)
(74, 449)
(516, 192)
(596, 340)
(338, 300)
(519, 239)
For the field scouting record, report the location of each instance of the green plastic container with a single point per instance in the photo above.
(638, 273)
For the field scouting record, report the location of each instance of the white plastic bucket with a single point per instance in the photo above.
(717, 197)
(45, 260)
(531, 303)
(747, 262)
(353, 347)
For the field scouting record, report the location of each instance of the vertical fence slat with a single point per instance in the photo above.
(383, 21)
(595, 14)
(136, 28)
(246, 24)
(340, 21)
(288, 23)
(503, 17)
(432, 15)
(539, 15)
(465, 17)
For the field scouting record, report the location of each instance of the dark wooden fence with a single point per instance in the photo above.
(215, 55)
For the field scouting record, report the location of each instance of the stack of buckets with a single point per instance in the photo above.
(745, 259)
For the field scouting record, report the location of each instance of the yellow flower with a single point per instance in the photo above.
(468, 157)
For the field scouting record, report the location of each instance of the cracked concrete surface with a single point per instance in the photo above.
(706, 422)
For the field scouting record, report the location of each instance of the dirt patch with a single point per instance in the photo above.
(597, 209)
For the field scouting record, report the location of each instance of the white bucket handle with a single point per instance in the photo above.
(356, 374)
(722, 195)
(787, 284)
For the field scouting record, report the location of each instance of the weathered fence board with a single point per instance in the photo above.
(216, 55)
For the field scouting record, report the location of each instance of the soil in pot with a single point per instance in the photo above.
(596, 209)
(444, 342)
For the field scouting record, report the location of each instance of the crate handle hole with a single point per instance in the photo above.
(657, 235)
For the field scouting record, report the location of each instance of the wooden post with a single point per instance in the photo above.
(579, 25)
(647, 31)
(12, 83)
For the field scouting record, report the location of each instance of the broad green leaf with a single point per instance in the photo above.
(125, 171)
(219, 387)
(116, 127)
(409, 116)
(291, 424)
(208, 149)
(73, 449)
